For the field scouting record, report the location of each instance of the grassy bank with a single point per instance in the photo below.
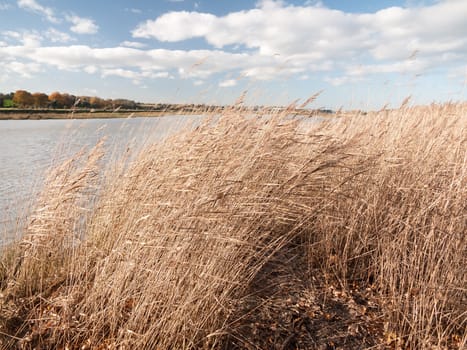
(252, 233)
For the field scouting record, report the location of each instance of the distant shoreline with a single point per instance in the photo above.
(46, 114)
(87, 113)
(33, 115)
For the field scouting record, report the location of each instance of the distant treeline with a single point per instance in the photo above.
(25, 99)
(38, 101)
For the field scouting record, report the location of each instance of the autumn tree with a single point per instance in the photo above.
(108, 103)
(59, 100)
(68, 100)
(23, 98)
(96, 102)
(55, 99)
(83, 102)
(123, 103)
(41, 100)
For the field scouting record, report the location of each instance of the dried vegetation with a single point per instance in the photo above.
(252, 232)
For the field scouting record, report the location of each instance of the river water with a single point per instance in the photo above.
(28, 148)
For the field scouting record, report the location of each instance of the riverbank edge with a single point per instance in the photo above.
(39, 114)
(84, 115)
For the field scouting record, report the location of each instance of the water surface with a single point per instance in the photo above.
(29, 148)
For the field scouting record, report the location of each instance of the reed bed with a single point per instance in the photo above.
(252, 232)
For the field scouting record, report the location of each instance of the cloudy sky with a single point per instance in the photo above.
(362, 54)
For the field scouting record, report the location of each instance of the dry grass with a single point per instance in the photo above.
(253, 233)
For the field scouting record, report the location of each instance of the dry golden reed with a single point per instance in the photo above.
(252, 218)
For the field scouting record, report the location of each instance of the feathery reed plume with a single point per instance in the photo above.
(254, 232)
(311, 99)
(56, 224)
(405, 103)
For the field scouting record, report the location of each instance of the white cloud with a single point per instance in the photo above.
(11, 34)
(133, 44)
(129, 62)
(57, 36)
(313, 38)
(26, 38)
(25, 70)
(135, 76)
(34, 6)
(91, 69)
(32, 38)
(155, 75)
(119, 72)
(228, 83)
(82, 25)
(275, 41)
(271, 29)
(177, 26)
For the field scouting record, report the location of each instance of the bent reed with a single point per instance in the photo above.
(256, 232)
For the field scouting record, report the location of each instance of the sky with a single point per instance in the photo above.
(360, 54)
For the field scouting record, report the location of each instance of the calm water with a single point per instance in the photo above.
(28, 148)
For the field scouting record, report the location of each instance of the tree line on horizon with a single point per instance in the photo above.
(56, 100)
(25, 99)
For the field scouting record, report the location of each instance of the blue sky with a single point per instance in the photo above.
(362, 54)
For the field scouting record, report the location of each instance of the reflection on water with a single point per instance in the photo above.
(29, 147)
